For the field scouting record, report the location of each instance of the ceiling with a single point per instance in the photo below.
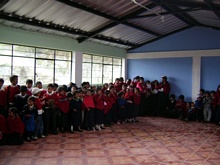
(120, 23)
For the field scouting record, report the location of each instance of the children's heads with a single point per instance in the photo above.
(181, 97)
(76, 94)
(121, 94)
(55, 86)
(39, 84)
(50, 88)
(14, 79)
(23, 90)
(12, 112)
(31, 101)
(36, 91)
(1, 82)
(136, 90)
(61, 90)
(108, 93)
(99, 91)
(201, 92)
(69, 95)
(207, 94)
(89, 92)
(29, 83)
(172, 97)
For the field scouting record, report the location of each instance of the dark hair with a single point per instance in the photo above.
(23, 88)
(207, 92)
(172, 96)
(50, 85)
(75, 92)
(111, 87)
(120, 94)
(32, 98)
(13, 77)
(13, 110)
(69, 94)
(2, 80)
(38, 83)
(202, 90)
(55, 85)
(137, 89)
(29, 81)
(213, 92)
(107, 92)
(64, 87)
(60, 89)
(181, 97)
(98, 89)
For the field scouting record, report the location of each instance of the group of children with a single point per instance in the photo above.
(28, 112)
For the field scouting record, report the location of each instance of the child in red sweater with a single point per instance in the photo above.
(137, 101)
(15, 128)
(89, 110)
(2, 99)
(130, 102)
(109, 101)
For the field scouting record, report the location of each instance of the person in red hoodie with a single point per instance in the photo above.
(89, 111)
(15, 128)
(130, 102)
(137, 101)
(99, 109)
(3, 130)
(50, 110)
(217, 105)
(109, 101)
(11, 91)
(64, 109)
(3, 96)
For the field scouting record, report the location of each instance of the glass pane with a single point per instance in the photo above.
(107, 60)
(87, 58)
(5, 71)
(97, 74)
(24, 68)
(62, 72)
(97, 59)
(116, 61)
(63, 55)
(5, 49)
(86, 72)
(44, 71)
(23, 51)
(107, 73)
(116, 72)
(44, 53)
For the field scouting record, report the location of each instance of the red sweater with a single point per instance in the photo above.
(2, 98)
(63, 103)
(118, 87)
(13, 90)
(3, 127)
(141, 87)
(42, 93)
(109, 101)
(114, 97)
(88, 101)
(29, 93)
(165, 86)
(129, 96)
(15, 125)
(137, 99)
(99, 101)
(217, 99)
(47, 97)
(38, 103)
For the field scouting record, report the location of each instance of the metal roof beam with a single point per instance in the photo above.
(49, 25)
(96, 12)
(3, 3)
(212, 7)
(158, 38)
(167, 13)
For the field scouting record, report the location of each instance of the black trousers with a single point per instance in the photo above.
(89, 118)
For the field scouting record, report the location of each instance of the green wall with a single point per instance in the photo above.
(17, 36)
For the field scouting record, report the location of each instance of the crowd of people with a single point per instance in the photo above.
(28, 113)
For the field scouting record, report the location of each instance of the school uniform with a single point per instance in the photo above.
(3, 129)
(39, 126)
(89, 111)
(118, 87)
(42, 93)
(114, 108)
(50, 112)
(29, 91)
(129, 105)
(141, 87)
(137, 101)
(63, 109)
(29, 114)
(15, 130)
(20, 102)
(199, 110)
(180, 110)
(207, 111)
(11, 91)
(109, 101)
(171, 108)
(76, 112)
(99, 108)
(3, 103)
(121, 109)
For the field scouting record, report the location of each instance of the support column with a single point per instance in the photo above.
(196, 77)
(77, 69)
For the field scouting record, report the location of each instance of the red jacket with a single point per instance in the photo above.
(88, 101)
(137, 99)
(114, 97)
(15, 125)
(38, 103)
(118, 87)
(217, 99)
(181, 105)
(3, 127)
(42, 93)
(109, 101)
(99, 101)
(29, 93)
(165, 86)
(129, 97)
(63, 103)
(141, 87)
(11, 91)
(3, 98)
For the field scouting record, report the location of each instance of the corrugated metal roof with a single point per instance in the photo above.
(112, 20)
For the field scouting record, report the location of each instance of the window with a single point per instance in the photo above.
(100, 70)
(38, 64)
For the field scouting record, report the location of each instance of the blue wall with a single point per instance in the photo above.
(196, 38)
(178, 70)
(210, 73)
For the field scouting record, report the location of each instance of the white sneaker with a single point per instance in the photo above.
(42, 136)
(34, 137)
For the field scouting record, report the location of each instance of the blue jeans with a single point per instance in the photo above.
(39, 126)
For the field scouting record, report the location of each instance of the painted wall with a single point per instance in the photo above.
(17, 36)
(210, 73)
(196, 38)
(178, 70)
